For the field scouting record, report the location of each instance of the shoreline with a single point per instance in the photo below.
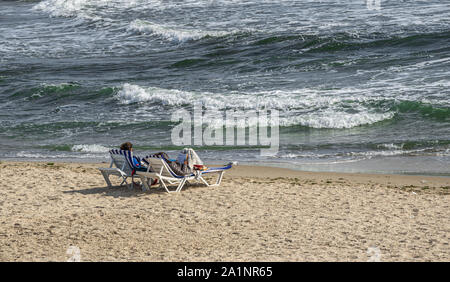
(337, 168)
(256, 214)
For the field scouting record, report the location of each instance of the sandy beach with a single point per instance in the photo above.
(48, 210)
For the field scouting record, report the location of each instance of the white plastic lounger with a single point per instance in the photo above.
(122, 160)
(162, 171)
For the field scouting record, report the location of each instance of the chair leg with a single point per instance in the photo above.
(106, 177)
(163, 184)
(203, 180)
(180, 186)
(218, 181)
(145, 180)
(124, 181)
(131, 185)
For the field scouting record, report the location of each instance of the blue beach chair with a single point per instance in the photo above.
(121, 165)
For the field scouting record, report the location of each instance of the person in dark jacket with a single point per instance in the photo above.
(127, 146)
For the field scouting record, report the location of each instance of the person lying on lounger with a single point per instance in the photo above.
(186, 162)
(177, 168)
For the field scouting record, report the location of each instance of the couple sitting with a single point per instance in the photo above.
(185, 163)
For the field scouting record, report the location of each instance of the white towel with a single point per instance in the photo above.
(189, 157)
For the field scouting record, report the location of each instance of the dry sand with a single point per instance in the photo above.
(257, 214)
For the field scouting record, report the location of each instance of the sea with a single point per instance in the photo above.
(359, 86)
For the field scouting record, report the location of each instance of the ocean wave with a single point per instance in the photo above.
(366, 153)
(91, 148)
(57, 156)
(304, 107)
(391, 146)
(307, 107)
(316, 159)
(425, 109)
(64, 8)
(45, 89)
(437, 110)
(282, 100)
(295, 107)
(346, 42)
(33, 155)
(174, 33)
(91, 9)
(130, 93)
(172, 21)
(336, 119)
(387, 153)
(111, 11)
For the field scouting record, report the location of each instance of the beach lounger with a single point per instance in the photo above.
(162, 171)
(123, 162)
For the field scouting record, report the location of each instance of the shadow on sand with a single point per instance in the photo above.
(124, 191)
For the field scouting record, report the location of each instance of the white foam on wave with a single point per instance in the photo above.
(56, 156)
(391, 146)
(129, 94)
(282, 100)
(104, 10)
(396, 152)
(173, 33)
(365, 154)
(71, 8)
(63, 8)
(89, 148)
(29, 155)
(333, 119)
(301, 107)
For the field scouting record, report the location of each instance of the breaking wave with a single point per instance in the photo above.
(174, 33)
(93, 148)
(308, 110)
